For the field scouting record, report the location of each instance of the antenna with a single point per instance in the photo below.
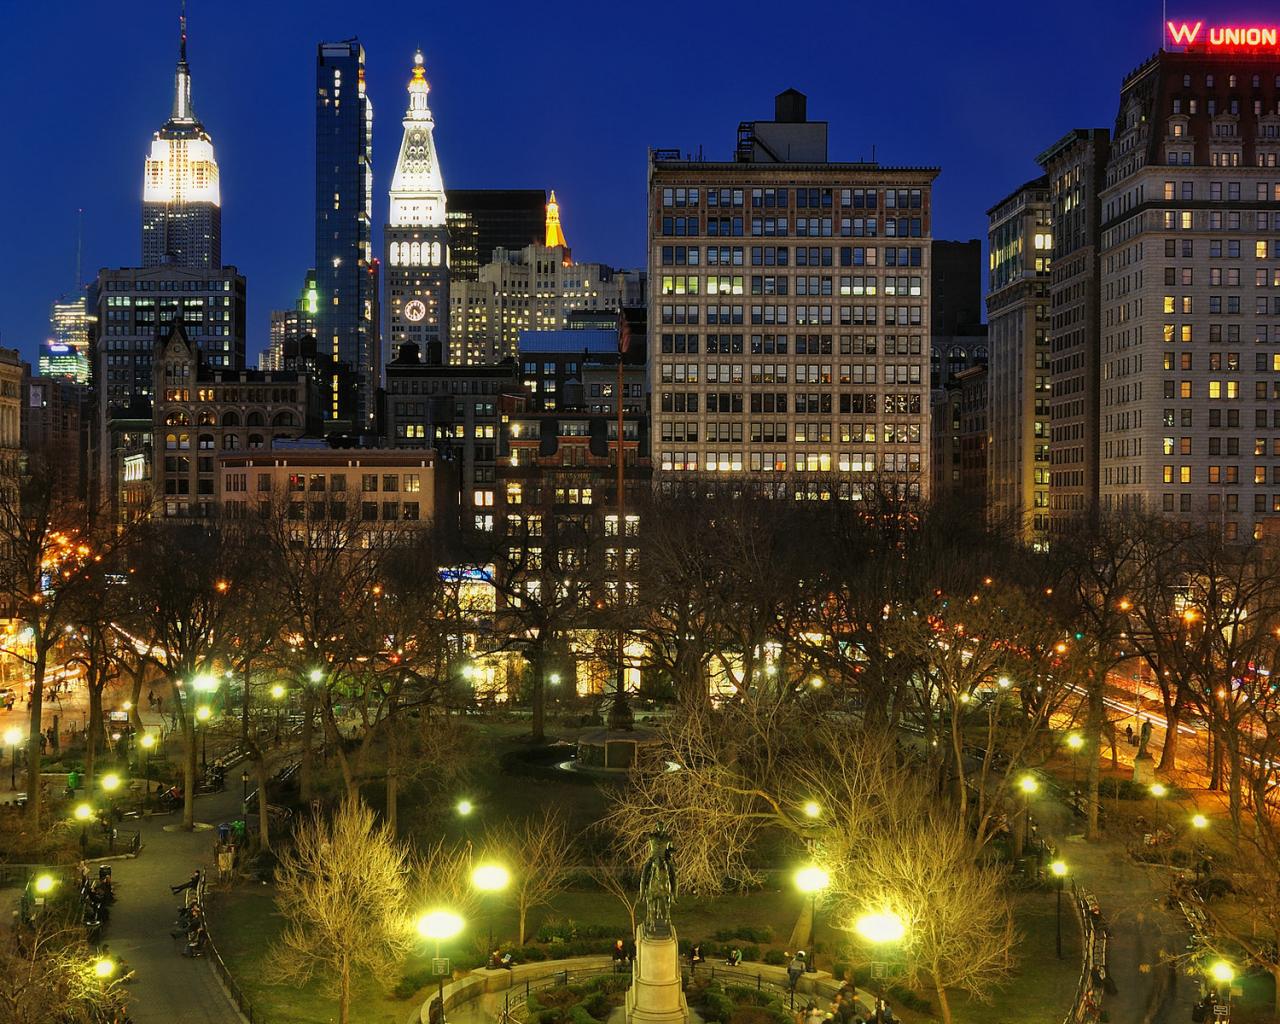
(79, 244)
(1164, 18)
(182, 28)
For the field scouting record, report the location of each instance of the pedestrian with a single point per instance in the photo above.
(813, 1015)
(695, 957)
(1128, 733)
(619, 957)
(795, 969)
(151, 698)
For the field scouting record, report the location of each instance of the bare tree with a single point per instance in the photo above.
(46, 553)
(537, 851)
(611, 873)
(958, 925)
(341, 889)
(48, 976)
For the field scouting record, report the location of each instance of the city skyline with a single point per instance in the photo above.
(589, 143)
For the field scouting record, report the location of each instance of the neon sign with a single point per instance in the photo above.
(1197, 37)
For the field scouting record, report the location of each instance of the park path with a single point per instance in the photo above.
(168, 987)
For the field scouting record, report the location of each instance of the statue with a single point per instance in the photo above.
(658, 885)
(1144, 737)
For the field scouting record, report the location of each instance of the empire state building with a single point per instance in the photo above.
(416, 269)
(181, 201)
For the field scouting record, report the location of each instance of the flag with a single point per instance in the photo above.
(624, 333)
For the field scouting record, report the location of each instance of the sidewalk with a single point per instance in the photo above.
(1143, 933)
(168, 987)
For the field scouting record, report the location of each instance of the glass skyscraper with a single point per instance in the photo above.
(346, 275)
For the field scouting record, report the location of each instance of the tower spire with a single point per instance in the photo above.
(555, 234)
(182, 80)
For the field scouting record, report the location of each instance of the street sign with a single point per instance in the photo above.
(879, 969)
(440, 967)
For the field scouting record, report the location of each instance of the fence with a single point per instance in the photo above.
(1087, 1007)
(228, 982)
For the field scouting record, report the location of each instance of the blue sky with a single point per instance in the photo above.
(525, 95)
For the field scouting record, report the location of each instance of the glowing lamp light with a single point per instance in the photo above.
(317, 675)
(1158, 789)
(203, 713)
(277, 691)
(812, 879)
(465, 807)
(83, 812)
(555, 678)
(1004, 682)
(1028, 784)
(812, 809)
(104, 968)
(885, 926)
(12, 736)
(205, 683)
(128, 705)
(110, 782)
(44, 884)
(490, 878)
(817, 682)
(1059, 868)
(1222, 972)
(1075, 741)
(439, 925)
(1199, 821)
(147, 741)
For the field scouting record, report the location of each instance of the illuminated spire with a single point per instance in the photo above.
(555, 235)
(417, 187)
(182, 80)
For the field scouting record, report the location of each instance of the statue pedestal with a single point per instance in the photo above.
(656, 995)
(1144, 769)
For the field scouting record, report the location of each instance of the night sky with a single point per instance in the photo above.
(524, 95)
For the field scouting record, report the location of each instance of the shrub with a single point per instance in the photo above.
(772, 1014)
(530, 954)
(411, 981)
(775, 958)
(911, 1000)
(839, 969)
(750, 952)
(751, 933)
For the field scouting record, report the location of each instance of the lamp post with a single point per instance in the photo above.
(490, 879)
(813, 880)
(1059, 869)
(244, 788)
(1222, 974)
(1028, 785)
(1074, 742)
(202, 715)
(1159, 791)
(880, 928)
(12, 737)
(277, 695)
(439, 925)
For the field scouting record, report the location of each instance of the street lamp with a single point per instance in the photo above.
(490, 878)
(1059, 869)
(1028, 785)
(1223, 974)
(812, 809)
(1074, 742)
(202, 715)
(12, 737)
(316, 675)
(880, 928)
(1159, 791)
(110, 782)
(813, 880)
(44, 884)
(104, 968)
(464, 808)
(439, 925)
(1199, 821)
(244, 788)
(277, 692)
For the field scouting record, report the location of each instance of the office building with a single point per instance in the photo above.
(578, 369)
(346, 273)
(382, 489)
(538, 288)
(481, 220)
(459, 411)
(200, 411)
(288, 326)
(181, 199)
(136, 307)
(789, 308)
(416, 249)
(66, 353)
(1190, 350)
(55, 426)
(960, 440)
(1020, 241)
(1075, 166)
(12, 373)
(958, 338)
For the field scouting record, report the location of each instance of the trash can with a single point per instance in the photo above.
(224, 832)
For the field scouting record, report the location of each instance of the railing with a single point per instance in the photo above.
(229, 983)
(1086, 1007)
(517, 1013)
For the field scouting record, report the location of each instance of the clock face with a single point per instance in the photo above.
(414, 310)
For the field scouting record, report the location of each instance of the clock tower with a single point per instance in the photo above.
(415, 267)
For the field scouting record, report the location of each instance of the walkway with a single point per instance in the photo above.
(168, 987)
